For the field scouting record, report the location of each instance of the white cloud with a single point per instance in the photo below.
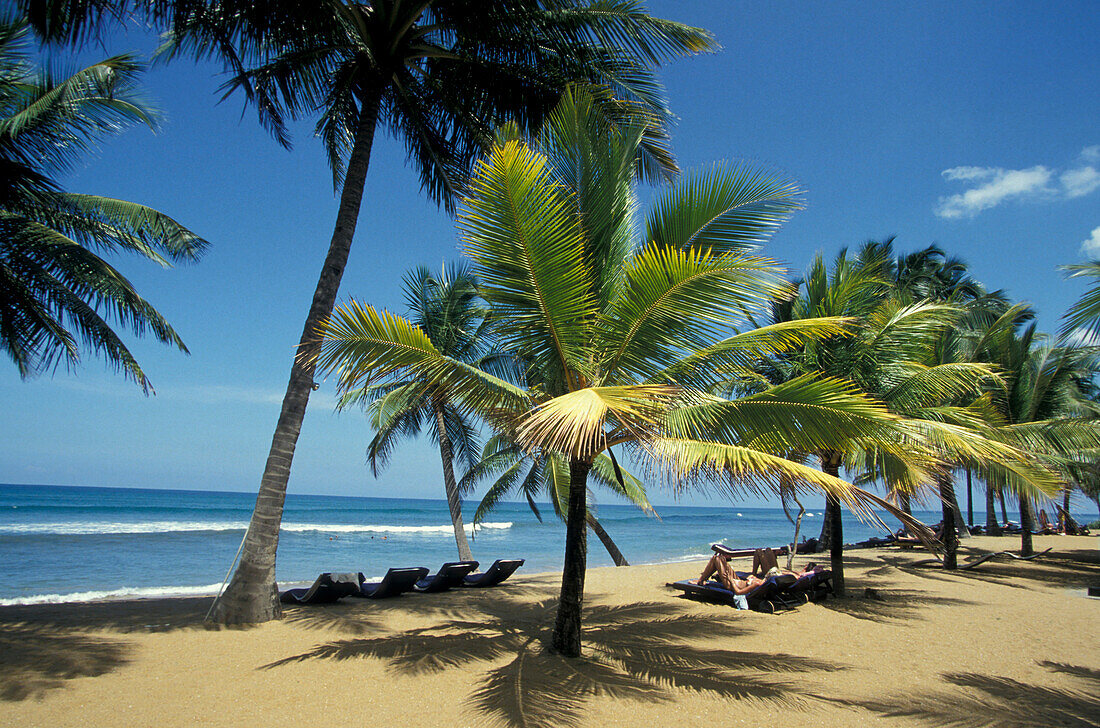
(990, 186)
(999, 185)
(1091, 247)
(1081, 181)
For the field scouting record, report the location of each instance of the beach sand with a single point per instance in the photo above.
(1008, 643)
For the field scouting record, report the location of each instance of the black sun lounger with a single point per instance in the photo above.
(764, 598)
(450, 574)
(396, 581)
(498, 572)
(809, 587)
(325, 590)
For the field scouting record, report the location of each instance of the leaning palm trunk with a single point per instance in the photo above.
(1027, 522)
(252, 595)
(946, 485)
(566, 639)
(454, 502)
(605, 539)
(1004, 511)
(830, 464)
(797, 521)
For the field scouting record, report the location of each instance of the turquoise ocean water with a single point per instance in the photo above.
(77, 544)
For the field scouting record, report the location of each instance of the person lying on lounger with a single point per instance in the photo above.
(719, 566)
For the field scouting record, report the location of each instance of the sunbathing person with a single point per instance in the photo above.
(719, 567)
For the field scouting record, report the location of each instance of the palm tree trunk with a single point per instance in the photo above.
(969, 500)
(992, 525)
(1064, 517)
(795, 521)
(566, 638)
(252, 595)
(605, 539)
(1004, 511)
(959, 523)
(946, 485)
(830, 465)
(904, 502)
(454, 502)
(1027, 522)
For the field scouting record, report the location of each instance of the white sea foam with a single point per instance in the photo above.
(145, 592)
(85, 528)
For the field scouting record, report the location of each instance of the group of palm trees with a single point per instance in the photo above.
(573, 334)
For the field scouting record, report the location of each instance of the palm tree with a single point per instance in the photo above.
(437, 74)
(547, 476)
(447, 309)
(57, 294)
(626, 333)
(1043, 408)
(1084, 316)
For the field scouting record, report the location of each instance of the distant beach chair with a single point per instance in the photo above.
(498, 572)
(326, 589)
(450, 574)
(396, 581)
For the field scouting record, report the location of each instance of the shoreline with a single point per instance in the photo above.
(152, 593)
(925, 642)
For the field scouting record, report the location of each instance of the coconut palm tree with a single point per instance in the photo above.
(1043, 408)
(627, 333)
(547, 476)
(1084, 316)
(437, 74)
(448, 310)
(57, 294)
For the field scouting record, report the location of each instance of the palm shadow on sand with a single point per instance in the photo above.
(38, 659)
(991, 700)
(637, 651)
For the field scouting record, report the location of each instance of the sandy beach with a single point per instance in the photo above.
(1008, 643)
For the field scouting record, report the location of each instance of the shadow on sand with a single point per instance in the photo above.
(38, 659)
(637, 651)
(990, 700)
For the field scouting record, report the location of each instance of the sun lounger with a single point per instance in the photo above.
(326, 589)
(813, 586)
(498, 572)
(764, 598)
(396, 581)
(449, 575)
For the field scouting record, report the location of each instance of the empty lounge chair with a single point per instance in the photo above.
(326, 589)
(396, 581)
(498, 572)
(449, 575)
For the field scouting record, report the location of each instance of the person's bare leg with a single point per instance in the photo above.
(710, 568)
(756, 562)
(725, 574)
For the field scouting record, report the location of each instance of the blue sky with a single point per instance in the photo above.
(971, 125)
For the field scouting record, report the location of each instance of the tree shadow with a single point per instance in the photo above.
(990, 700)
(37, 659)
(1051, 569)
(639, 651)
(894, 605)
(132, 615)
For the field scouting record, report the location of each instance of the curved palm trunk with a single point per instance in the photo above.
(454, 502)
(605, 539)
(566, 639)
(252, 595)
(1027, 522)
(946, 486)
(992, 526)
(830, 465)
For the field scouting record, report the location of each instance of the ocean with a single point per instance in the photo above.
(68, 543)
